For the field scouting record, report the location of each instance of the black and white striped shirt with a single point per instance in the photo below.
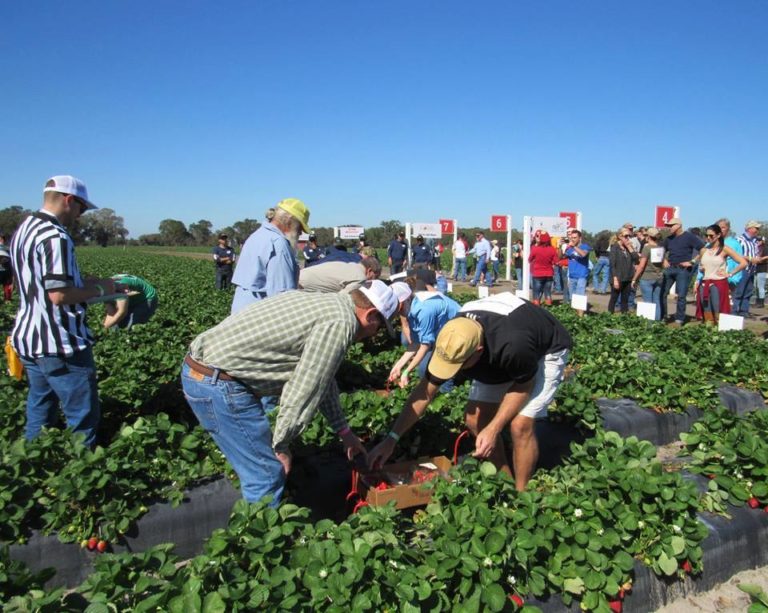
(749, 249)
(43, 257)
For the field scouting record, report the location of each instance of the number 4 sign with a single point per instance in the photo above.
(664, 214)
(498, 223)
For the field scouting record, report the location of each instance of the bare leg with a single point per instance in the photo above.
(477, 415)
(526, 449)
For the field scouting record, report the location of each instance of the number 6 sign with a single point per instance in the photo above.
(498, 223)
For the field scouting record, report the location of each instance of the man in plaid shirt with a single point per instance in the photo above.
(291, 345)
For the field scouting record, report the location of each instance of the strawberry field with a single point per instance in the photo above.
(588, 526)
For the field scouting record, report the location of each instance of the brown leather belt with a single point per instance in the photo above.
(201, 369)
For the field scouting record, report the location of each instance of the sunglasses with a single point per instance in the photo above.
(626, 236)
(711, 235)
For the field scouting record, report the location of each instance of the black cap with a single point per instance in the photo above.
(223, 237)
(419, 238)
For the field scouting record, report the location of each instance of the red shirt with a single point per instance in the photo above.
(543, 259)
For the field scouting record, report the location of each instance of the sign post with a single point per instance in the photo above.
(451, 226)
(664, 213)
(574, 219)
(503, 223)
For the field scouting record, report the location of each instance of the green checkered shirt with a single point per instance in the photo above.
(290, 344)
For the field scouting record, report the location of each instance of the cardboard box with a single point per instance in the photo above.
(404, 492)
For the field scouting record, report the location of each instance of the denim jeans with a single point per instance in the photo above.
(678, 276)
(238, 424)
(651, 291)
(577, 287)
(223, 278)
(495, 264)
(461, 269)
(542, 288)
(563, 273)
(601, 274)
(519, 277)
(70, 382)
(482, 267)
(397, 266)
(742, 294)
(631, 299)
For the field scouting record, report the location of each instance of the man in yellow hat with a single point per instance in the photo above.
(515, 354)
(267, 265)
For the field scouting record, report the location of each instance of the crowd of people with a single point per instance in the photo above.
(290, 327)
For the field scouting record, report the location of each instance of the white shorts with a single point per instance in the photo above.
(548, 377)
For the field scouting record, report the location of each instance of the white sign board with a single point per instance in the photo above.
(730, 322)
(351, 232)
(647, 310)
(427, 230)
(482, 291)
(554, 226)
(525, 294)
(579, 302)
(449, 287)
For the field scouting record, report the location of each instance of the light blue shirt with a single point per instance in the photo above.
(730, 263)
(578, 265)
(482, 248)
(430, 311)
(266, 267)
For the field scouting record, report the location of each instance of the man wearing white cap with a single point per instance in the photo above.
(267, 264)
(515, 355)
(290, 345)
(49, 333)
(749, 243)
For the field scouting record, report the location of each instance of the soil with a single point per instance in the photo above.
(725, 598)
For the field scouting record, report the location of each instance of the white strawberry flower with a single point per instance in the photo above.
(578, 512)
(641, 524)
(511, 580)
(487, 562)
(323, 573)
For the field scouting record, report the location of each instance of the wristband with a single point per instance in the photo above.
(394, 435)
(344, 431)
(101, 289)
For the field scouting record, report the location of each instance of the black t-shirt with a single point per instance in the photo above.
(516, 335)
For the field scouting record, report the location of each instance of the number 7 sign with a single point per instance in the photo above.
(447, 226)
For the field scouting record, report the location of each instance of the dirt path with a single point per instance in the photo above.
(725, 598)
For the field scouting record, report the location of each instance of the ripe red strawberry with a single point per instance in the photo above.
(517, 600)
(101, 546)
(616, 605)
(711, 475)
(382, 486)
(92, 542)
(687, 567)
(766, 508)
(753, 503)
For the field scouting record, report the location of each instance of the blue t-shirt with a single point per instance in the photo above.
(430, 311)
(224, 252)
(311, 254)
(578, 265)
(682, 248)
(397, 250)
(422, 254)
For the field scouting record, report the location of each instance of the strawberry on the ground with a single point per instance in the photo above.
(101, 546)
(516, 599)
(92, 542)
(753, 503)
(687, 567)
(615, 605)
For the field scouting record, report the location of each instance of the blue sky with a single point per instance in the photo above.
(397, 109)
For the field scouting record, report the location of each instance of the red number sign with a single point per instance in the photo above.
(663, 215)
(447, 226)
(498, 223)
(571, 217)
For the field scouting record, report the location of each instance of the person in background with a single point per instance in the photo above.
(6, 270)
(482, 252)
(650, 270)
(49, 333)
(760, 273)
(641, 234)
(577, 252)
(732, 242)
(694, 257)
(396, 253)
(311, 252)
(517, 262)
(223, 257)
(137, 307)
(543, 258)
(678, 262)
(495, 254)
(267, 265)
(561, 271)
(742, 293)
(331, 277)
(637, 245)
(291, 345)
(515, 355)
(421, 254)
(601, 273)
(712, 292)
(623, 259)
(459, 249)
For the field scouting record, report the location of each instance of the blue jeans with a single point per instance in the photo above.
(461, 269)
(577, 287)
(651, 291)
(70, 381)
(495, 265)
(601, 274)
(238, 424)
(482, 267)
(563, 274)
(680, 277)
(397, 266)
(519, 277)
(223, 278)
(542, 288)
(742, 294)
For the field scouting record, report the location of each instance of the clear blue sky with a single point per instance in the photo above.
(389, 109)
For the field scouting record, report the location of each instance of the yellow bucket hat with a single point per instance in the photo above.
(297, 209)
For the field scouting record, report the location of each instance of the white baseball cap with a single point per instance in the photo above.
(67, 184)
(402, 290)
(383, 298)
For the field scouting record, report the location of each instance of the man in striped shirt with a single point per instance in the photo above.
(50, 332)
(742, 293)
(290, 344)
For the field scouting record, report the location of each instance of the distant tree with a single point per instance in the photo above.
(10, 218)
(174, 232)
(103, 227)
(241, 230)
(151, 239)
(201, 232)
(391, 228)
